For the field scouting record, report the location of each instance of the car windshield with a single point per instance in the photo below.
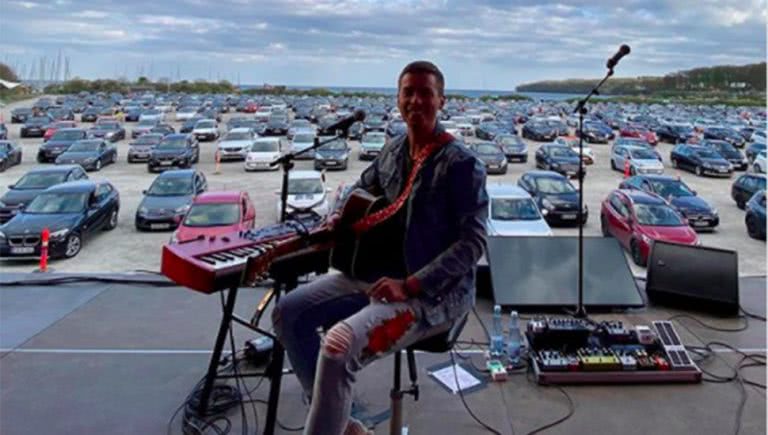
(298, 186)
(554, 185)
(487, 149)
(304, 138)
(667, 188)
(265, 147)
(211, 215)
(238, 135)
(148, 139)
(67, 135)
(83, 146)
(39, 120)
(374, 139)
(171, 186)
(708, 154)
(514, 209)
(760, 183)
(682, 129)
(53, 203)
(40, 180)
(642, 154)
(204, 124)
(106, 126)
(657, 215)
(174, 143)
(5, 147)
(335, 145)
(562, 152)
(509, 140)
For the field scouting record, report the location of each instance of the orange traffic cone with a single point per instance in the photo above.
(218, 162)
(626, 169)
(44, 250)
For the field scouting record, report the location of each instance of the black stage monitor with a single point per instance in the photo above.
(694, 277)
(542, 273)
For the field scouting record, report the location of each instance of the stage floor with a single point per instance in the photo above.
(99, 358)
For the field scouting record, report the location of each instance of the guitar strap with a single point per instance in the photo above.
(387, 212)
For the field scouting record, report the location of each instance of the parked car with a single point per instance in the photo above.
(262, 152)
(107, 130)
(491, 155)
(332, 155)
(175, 150)
(302, 141)
(216, 213)
(72, 212)
(143, 127)
(185, 113)
(596, 132)
(164, 129)
(10, 154)
(307, 194)
(725, 149)
(3, 131)
(639, 132)
(745, 186)
(539, 131)
(168, 199)
(91, 154)
(700, 160)
(152, 115)
(371, 144)
(725, 134)
(206, 130)
(32, 183)
(641, 160)
(700, 214)
(140, 148)
(19, 115)
(277, 125)
(587, 155)
(35, 126)
(236, 144)
(188, 125)
(558, 158)
(675, 133)
(56, 126)
(637, 219)
(59, 143)
(90, 114)
(753, 150)
(555, 196)
(512, 212)
(631, 141)
(759, 163)
(513, 146)
(755, 216)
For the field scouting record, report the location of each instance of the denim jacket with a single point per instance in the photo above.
(445, 220)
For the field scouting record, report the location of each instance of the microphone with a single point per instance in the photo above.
(623, 51)
(344, 123)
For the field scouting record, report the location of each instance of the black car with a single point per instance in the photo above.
(729, 152)
(10, 155)
(726, 134)
(34, 182)
(755, 216)
(489, 130)
(20, 115)
(700, 160)
(35, 126)
(699, 213)
(61, 114)
(556, 197)
(139, 149)
(58, 143)
(333, 155)
(558, 158)
(71, 211)
(596, 132)
(513, 146)
(90, 114)
(168, 198)
(277, 126)
(539, 131)
(175, 150)
(492, 156)
(753, 150)
(674, 133)
(108, 130)
(745, 186)
(91, 154)
(3, 131)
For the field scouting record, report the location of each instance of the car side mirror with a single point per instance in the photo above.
(144, 192)
(11, 186)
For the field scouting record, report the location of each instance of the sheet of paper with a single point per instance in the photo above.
(446, 377)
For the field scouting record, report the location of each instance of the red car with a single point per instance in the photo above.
(637, 219)
(214, 213)
(251, 107)
(55, 126)
(640, 133)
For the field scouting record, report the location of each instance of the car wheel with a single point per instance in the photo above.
(632, 171)
(637, 256)
(74, 243)
(613, 165)
(752, 227)
(112, 222)
(740, 204)
(97, 166)
(40, 159)
(604, 227)
(699, 171)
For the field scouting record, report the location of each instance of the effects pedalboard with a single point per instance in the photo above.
(579, 351)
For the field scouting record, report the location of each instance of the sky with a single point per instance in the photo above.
(478, 44)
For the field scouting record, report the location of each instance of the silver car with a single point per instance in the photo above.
(641, 160)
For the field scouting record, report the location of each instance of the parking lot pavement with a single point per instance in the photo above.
(125, 250)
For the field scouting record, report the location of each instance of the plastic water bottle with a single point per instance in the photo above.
(515, 340)
(497, 335)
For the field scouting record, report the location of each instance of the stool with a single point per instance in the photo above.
(439, 343)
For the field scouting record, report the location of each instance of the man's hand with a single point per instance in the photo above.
(388, 290)
(332, 220)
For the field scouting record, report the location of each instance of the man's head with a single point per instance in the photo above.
(420, 94)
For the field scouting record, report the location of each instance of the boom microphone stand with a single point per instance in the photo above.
(581, 108)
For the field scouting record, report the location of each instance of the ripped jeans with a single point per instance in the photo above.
(357, 331)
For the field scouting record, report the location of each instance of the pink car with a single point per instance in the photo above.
(215, 213)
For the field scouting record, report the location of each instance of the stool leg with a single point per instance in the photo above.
(396, 397)
(412, 373)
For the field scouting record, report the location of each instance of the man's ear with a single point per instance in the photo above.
(442, 102)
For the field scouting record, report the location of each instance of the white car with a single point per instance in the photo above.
(185, 113)
(371, 144)
(236, 144)
(759, 164)
(263, 152)
(152, 115)
(263, 114)
(512, 212)
(301, 141)
(587, 154)
(206, 130)
(307, 193)
(642, 161)
(758, 136)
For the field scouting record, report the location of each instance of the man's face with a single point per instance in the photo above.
(419, 100)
